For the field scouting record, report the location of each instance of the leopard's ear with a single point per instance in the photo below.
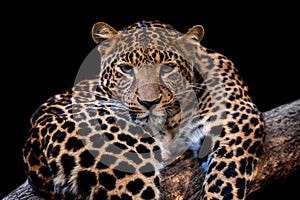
(195, 33)
(102, 31)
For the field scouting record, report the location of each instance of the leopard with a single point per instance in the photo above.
(158, 93)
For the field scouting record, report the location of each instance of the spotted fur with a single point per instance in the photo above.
(158, 94)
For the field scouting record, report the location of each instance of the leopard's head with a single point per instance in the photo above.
(144, 69)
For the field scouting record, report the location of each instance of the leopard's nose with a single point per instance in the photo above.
(148, 104)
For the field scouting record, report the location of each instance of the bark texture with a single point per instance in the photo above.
(183, 178)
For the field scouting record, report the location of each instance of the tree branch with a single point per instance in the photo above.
(281, 156)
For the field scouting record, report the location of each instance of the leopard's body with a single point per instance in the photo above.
(159, 93)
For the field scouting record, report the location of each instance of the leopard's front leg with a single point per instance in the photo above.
(233, 159)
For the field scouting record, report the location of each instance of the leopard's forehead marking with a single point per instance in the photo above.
(144, 35)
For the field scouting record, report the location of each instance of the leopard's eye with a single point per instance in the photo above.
(127, 69)
(167, 67)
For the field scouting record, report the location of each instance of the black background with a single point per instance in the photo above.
(46, 44)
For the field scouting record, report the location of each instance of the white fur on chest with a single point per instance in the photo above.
(187, 137)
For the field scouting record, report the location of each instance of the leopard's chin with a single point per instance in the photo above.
(154, 119)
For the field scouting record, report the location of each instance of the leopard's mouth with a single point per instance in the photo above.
(156, 116)
(147, 115)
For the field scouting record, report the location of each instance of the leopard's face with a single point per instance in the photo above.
(148, 76)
